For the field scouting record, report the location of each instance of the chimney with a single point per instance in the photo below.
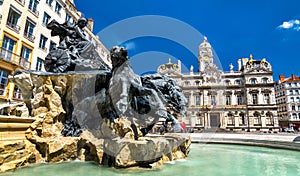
(281, 78)
(293, 77)
(90, 24)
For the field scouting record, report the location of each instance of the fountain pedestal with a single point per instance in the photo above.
(51, 100)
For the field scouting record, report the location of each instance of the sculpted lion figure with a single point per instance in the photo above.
(143, 99)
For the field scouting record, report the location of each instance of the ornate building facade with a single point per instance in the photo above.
(241, 100)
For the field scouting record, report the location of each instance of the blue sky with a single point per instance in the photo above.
(264, 28)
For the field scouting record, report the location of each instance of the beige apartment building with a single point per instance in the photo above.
(25, 41)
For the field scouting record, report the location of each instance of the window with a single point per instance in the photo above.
(199, 121)
(68, 18)
(49, 2)
(25, 57)
(298, 99)
(213, 100)
(17, 93)
(46, 18)
(239, 100)
(13, 19)
(186, 83)
(52, 45)
(267, 98)
(7, 48)
(197, 98)
(227, 82)
(3, 81)
(293, 108)
(265, 80)
(197, 83)
(254, 99)
(25, 53)
(238, 82)
(28, 32)
(242, 119)
(228, 100)
(188, 100)
(256, 119)
(39, 64)
(298, 107)
(230, 120)
(33, 6)
(294, 116)
(269, 119)
(43, 41)
(57, 8)
(253, 81)
(292, 99)
(291, 92)
(296, 92)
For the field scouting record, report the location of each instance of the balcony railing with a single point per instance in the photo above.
(43, 48)
(22, 2)
(13, 26)
(29, 36)
(14, 58)
(33, 11)
(24, 63)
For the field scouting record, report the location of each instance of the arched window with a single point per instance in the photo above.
(230, 119)
(253, 81)
(265, 80)
(242, 119)
(269, 119)
(238, 82)
(256, 119)
(227, 82)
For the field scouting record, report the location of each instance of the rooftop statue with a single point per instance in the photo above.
(75, 50)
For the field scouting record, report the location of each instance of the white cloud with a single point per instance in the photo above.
(292, 24)
(286, 25)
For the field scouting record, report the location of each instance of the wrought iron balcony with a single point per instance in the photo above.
(33, 11)
(43, 48)
(29, 36)
(24, 63)
(14, 58)
(13, 26)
